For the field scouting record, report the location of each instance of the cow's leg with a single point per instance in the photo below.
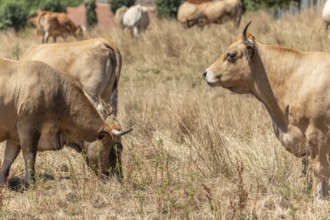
(136, 31)
(320, 176)
(54, 39)
(29, 141)
(46, 37)
(11, 152)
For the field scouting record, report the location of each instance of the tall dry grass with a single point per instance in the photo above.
(195, 152)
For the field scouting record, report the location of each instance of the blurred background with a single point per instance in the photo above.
(19, 14)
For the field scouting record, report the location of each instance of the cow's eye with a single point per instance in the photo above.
(231, 56)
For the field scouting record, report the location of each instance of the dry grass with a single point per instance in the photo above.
(195, 152)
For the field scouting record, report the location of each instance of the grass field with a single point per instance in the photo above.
(195, 152)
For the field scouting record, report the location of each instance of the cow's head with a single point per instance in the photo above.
(104, 155)
(232, 70)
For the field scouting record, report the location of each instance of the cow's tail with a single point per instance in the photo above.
(114, 94)
(40, 28)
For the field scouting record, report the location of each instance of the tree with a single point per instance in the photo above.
(91, 17)
(115, 4)
(167, 8)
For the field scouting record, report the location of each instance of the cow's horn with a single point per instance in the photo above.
(245, 39)
(120, 133)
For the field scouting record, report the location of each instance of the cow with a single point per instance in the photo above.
(135, 19)
(293, 86)
(57, 24)
(326, 16)
(42, 109)
(217, 12)
(94, 63)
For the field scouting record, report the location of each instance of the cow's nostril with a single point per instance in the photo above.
(204, 74)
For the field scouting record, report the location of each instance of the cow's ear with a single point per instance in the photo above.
(102, 135)
(249, 52)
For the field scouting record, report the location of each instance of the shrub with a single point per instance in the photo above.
(13, 14)
(115, 4)
(53, 5)
(167, 8)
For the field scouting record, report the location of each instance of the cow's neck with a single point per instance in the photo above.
(274, 67)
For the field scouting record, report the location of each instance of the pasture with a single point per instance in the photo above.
(195, 152)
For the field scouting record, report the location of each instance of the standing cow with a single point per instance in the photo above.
(40, 109)
(57, 24)
(94, 63)
(135, 19)
(294, 86)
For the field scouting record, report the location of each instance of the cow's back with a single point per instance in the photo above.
(94, 63)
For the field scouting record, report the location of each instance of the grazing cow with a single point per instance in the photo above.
(293, 86)
(326, 16)
(40, 109)
(94, 63)
(55, 24)
(217, 12)
(135, 19)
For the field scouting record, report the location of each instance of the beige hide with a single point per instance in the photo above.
(41, 109)
(56, 24)
(94, 63)
(217, 12)
(294, 86)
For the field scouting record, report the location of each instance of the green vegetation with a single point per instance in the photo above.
(167, 8)
(91, 17)
(253, 5)
(115, 4)
(13, 14)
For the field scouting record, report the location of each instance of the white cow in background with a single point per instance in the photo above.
(326, 15)
(135, 19)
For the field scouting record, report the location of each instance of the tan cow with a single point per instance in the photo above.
(217, 12)
(135, 19)
(56, 24)
(294, 86)
(94, 63)
(41, 109)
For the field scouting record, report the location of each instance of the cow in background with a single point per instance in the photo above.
(135, 19)
(57, 24)
(217, 12)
